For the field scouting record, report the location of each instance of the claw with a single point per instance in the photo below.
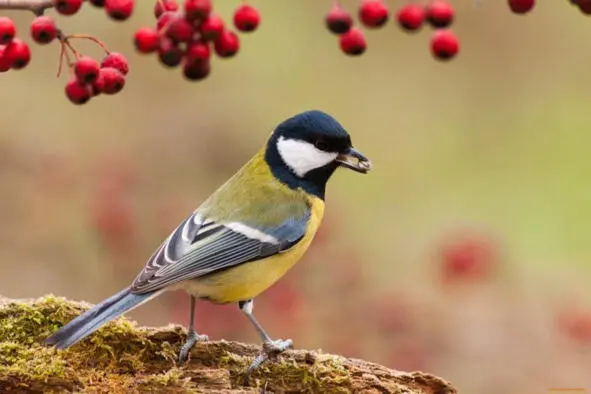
(192, 339)
(270, 349)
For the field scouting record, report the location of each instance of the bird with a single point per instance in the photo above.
(245, 236)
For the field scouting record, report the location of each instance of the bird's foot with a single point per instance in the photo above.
(270, 349)
(192, 339)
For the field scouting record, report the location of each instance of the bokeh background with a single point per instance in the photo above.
(465, 253)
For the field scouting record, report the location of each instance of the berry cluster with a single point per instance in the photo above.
(91, 78)
(88, 77)
(374, 14)
(14, 52)
(187, 36)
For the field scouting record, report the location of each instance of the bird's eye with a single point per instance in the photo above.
(321, 144)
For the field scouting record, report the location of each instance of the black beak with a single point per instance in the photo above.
(354, 160)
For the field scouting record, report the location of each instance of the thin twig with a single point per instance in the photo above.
(91, 38)
(35, 6)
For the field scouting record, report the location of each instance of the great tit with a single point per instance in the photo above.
(245, 236)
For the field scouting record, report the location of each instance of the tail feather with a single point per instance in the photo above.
(91, 320)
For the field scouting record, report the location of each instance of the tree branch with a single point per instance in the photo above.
(35, 6)
(124, 358)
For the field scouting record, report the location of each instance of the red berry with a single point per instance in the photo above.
(411, 17)
(67, 7)
(43, 29)
(444, 44)
(5, 62)
(353, 42)
(116, 60)
(373, 13)
(180, 30)
(211, 28)
(97, 3)
(86, 69)
(521, 6)
(98, 85)
(113, 80)
(338, 20)
(585, 7)
(195, 71)
(165, 19)
(246, 18)
(119, 10)
(7, 30)
(78, 92)
(169, 53)
(146, 40)
(440, 13)
(227, 44)
(18, 53)
(164, 5)
(197, 51)
(197, 9)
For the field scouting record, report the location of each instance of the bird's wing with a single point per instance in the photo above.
(201, 246)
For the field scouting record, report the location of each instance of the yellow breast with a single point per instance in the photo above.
(248, 280)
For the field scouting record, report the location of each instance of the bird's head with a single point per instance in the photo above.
(307, 148)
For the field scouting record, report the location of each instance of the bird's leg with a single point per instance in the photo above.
(270, 347)
(192, 336)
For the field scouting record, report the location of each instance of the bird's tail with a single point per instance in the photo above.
(91, 320)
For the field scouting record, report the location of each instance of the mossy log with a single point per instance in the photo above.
(121, 357)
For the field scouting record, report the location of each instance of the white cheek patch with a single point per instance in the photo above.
(301, 156)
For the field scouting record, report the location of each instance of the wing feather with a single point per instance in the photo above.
(201, 246)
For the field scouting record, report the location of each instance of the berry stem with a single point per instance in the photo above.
(64, 53)
(35, 6)
(91, 38)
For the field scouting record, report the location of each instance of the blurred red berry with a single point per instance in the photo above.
(212, 28)
(373, 13)
(411, 16)
(197, 51)
(169, 53)
(353, 42)
(584, 6)
(113, 80)
(18, 53)
(338, 20)
(97, 3)
(7, 30)
(43, 29)
(246, 18)
(5, 63)
(146, 40)
(576, 325)
(180, 30)
(521, 6)
(444, 45)
(78, 92)
(119, 10)
(440, 13)
(67, 7)
(197, 9)
(165, 19)
(196, 70)
(470, 257)
(165, 5)
(86, 69)
(227, 44)
(116, 60)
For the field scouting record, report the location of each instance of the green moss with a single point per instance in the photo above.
(121, 357)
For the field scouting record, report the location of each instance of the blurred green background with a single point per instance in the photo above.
(493, 146)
